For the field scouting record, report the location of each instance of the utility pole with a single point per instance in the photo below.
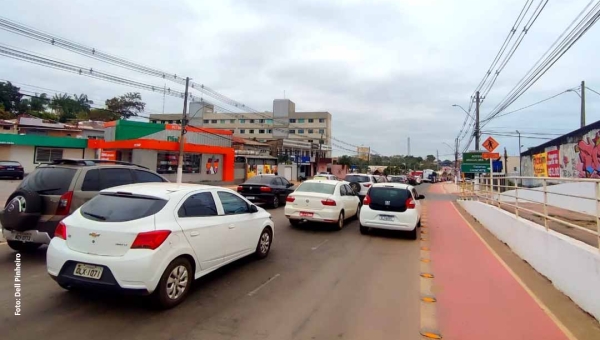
(456, 160)
(477, 102)
(437, 158)
(505, 162)
(181, 137)
(582, 103)
(520, 173)
(408, 154)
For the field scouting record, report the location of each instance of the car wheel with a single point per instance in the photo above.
(25, 247)
(20, 177)
(264, 244)
(294, 223)
(413, 234)
(340, 221)
(364, 230)
(275, 203)
(175, 284)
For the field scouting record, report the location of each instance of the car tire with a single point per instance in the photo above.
(413, 234)
(294, 223)
(340, 222)
(364, 230)
(166, 295)
(25, 247)
(264, 244)
(20, 177)
(275, 203)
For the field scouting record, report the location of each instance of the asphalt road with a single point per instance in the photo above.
(317, 283)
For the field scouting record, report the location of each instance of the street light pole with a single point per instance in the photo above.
(181, 141)
(582, 103)
(520, 171)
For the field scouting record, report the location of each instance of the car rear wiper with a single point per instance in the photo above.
(46, 190)
(100, 217)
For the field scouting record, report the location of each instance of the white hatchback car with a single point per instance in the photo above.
(156, 238)
(322, 201)
(392, 206)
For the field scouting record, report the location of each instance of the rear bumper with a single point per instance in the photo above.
(324, 215)
(404, 221)
(32, 236)
(259, 198)
(5, 173)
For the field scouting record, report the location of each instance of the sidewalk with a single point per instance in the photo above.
(478, 297)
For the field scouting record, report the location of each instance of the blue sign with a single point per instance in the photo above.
(305, 159)
(497, 165)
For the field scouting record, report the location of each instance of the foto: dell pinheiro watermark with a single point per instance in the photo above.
(17, 284)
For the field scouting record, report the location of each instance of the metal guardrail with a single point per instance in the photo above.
(509, 191)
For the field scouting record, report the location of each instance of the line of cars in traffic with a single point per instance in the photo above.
(121, 227)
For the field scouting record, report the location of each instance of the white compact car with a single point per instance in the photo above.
(322, 201)
(392, 206)
(156, 238)
(360, 183)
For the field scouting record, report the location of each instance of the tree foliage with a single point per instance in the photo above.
(396, 164)
(67, 107)
(10, 97)
(127, 105)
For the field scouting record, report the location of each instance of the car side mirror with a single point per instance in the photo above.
(253, 209)
(421, 197)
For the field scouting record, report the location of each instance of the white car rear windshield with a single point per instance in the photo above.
(109, 207)
(357, 178)
(388, 199)
(320, 188)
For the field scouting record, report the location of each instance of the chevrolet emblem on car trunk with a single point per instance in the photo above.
(94, 235)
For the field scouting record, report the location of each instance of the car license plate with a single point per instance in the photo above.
(86, 270)
(306, 214)
(250, 198)
(386, 218)
(23, 237)
(10, 169)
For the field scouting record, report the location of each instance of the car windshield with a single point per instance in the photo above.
(49, 180)
(260, 180)
(357, 178)
(320, 188)
(118, 208)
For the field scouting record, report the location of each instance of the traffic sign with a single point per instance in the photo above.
(490, 144)
(473, 158)
(490, 155)
(475, 168)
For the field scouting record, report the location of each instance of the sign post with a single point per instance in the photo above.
(490, 145)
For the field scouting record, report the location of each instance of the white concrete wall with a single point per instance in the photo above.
(571, 265)
(584, 204)
(24, 154)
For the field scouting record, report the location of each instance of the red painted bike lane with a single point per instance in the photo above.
(478, 298)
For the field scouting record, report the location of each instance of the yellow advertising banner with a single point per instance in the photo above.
(540, 168)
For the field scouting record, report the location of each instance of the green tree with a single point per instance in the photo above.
(345, 160)
(10, 97)
(68, 108)
(5, 114)
(39, 103)
(127, 105)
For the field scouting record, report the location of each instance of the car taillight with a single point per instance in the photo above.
(150, 240)
(265, 189)
(61, 230)
(410, 203)
(240, 188)
(2, 167)
(367, 200)
(64, 204)
(329, 202)
(290, 199)
(367, 185)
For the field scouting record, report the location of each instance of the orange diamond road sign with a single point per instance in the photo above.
(490, 144)
(490, 155)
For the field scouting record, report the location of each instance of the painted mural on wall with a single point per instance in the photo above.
(581, 158)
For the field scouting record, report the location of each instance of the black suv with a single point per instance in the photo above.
(53, 191)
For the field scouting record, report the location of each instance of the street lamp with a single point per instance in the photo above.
(462, 108)
(574, 91)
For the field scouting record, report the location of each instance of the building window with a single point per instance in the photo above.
(310, 140)
(47, 155)
(301, 120)
(242, 121)
(321, 120)
(242, 131)
(310, 120)
(232, 121)
(251, 121)
(170, 122)
(214, 121)
(321, 131)
(269, 121)
(262, 121)
(261, 131)
(206, 121)
(270, 131)
(292, 131)
(292, 120)
(301, 131)
(252, 131)
(222, 121)
(311, 131)
(515, 168)
(167, 163)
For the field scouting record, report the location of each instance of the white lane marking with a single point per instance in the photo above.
(264, 284)
(318, 245)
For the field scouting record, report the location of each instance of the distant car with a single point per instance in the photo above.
(271, 190)
(12, 169)
(391, 206)
(322, 201)
(53, 191)
(397, 179)
(156, 238)
(381, 179)
(360, 183)
(326, 177)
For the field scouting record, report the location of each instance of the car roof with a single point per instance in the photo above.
(393, 185)
(325, 181)
(162, 190)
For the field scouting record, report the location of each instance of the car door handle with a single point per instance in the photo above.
(194, 233)
(231, 226)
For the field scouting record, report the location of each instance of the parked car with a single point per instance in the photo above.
(391, 206)
(156, 238)
(360, 183)
(326, 177)
(266, 189)
(322, 201)
(380, 179)
(53, 191)
(12, 169)
(397, 179)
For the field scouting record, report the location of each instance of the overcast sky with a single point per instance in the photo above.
(385, 70)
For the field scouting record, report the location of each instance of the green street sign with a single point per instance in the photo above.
(475, 168)
(474, 158)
